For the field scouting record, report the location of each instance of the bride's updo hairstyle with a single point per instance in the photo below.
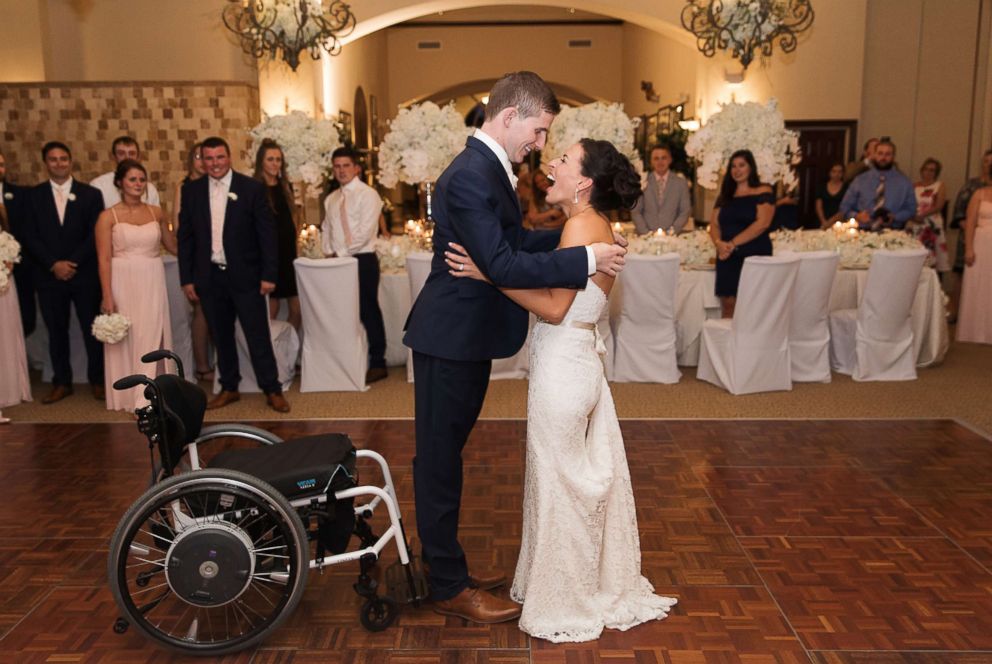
(615, 183)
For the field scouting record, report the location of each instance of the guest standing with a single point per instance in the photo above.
(59, 237)
(881, 197)
(928, 225)
(859, 166)
(123, 147)
(740, 225)
(975, 316)
(829, 195)
(228, 261)
(541, 215)
(129, 236)
(199, 330)
(270, 170)
(14, 199)
(350, 223)
(15, 386)
(666, 202)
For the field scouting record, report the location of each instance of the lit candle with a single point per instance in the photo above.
(838, 225)
(853, 232)
(410, 225)
(303, 234)
(617, 227)
(660, 232)
(852, 222)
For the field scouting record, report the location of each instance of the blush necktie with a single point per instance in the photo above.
(344, 221)
(60, 203)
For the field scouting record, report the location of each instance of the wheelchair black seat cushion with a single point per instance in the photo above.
(298, 468)
(184, 404)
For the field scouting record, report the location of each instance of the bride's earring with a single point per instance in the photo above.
(575, 199)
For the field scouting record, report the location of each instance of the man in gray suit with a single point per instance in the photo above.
(665, 203)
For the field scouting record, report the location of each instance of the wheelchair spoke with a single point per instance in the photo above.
(149, 588)
(262, 595)
(240, 611)
(157, 537)
(159, 563)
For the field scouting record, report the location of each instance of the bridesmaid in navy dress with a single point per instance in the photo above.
(740, 225)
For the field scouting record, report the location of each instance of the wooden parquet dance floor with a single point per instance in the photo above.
(823, 541)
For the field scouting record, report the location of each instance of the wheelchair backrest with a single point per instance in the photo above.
(182, 408)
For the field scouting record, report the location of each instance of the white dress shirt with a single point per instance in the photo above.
(112, 195)
(62, 192)
(504, 159)
(362, 205)
(218, 191)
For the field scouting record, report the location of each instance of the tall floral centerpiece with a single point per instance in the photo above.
(421, 142)
(748, 126)
(599, 121)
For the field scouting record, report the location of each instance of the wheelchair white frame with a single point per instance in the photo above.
(384, 494)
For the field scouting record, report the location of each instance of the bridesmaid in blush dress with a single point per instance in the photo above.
(975, 314)
(15, 385)
(129, 236)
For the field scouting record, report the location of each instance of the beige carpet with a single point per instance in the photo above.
(960, 388)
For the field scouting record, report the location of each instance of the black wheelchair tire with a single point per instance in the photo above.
(217, 480)
(378, 613)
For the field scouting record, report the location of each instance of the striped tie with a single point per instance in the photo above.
(879, 194)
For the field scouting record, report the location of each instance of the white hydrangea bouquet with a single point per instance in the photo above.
(855, 247)
(307, 145)
(421, 142)
(110, 328)
(695, 249)
(748, 126)
(392, 252)
(10, 253)
(599, 121)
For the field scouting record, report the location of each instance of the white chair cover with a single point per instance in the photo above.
(335, 347)
(809, 327)
(645, 348)
(418, 268)
(285, 345)
(180, 316)
(36, 346)
(394, 300)
(875, 341)
(750, 353)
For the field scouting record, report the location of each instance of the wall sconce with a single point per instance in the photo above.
(733, 77)
(648, 88)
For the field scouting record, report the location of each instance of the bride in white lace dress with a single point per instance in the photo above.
(579, 569)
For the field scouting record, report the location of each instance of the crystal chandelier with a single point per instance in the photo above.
(286, 28)
(746, 26)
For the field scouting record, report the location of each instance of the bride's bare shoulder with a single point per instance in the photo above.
(586, 228)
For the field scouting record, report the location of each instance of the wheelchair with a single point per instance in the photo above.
(210, 560)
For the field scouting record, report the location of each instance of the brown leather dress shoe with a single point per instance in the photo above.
(487, 581)
(58, 393)
(99, 392)
(374, 374)
(277, 402)
(224, 398)
(478, 606)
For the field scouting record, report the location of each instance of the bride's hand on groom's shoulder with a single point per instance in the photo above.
(460, 264)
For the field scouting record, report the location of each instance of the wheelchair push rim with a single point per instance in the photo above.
(209, 562)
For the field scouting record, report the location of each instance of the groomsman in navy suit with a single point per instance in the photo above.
(14, 199)
(58, 235)
(228, 262)
(458, 326)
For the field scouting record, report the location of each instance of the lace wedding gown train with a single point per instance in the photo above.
(579, 569)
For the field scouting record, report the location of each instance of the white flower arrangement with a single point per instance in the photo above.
(749, 126)
(421, 142)
(392, 252)
(307, 145)
(10, 253)
(855, 248)
(599, 121)
(695, 249)
(741, 17)
(110, 328)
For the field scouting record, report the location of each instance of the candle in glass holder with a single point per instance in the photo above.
(410, 225)
(660, 232)
(838, 226)
(617, 227)
(852, 232)
(852, 222)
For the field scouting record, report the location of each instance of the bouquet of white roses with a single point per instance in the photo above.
(599, 121)
(307, 145)
(110, 328)
(10, 252)
(748, 126)
(421, 142)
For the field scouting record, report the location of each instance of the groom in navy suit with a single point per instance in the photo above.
(57, 231)
(458, 326)
(228, 262)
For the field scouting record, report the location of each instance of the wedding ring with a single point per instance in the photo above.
(461, 267)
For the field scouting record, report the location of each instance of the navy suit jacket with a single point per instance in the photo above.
(249, 234)
(47, 241)
(15, 201)
(464, 319)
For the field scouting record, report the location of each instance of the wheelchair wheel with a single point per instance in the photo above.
(209, 562)
(378, 613)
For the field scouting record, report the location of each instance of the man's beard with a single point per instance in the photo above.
(880, 167)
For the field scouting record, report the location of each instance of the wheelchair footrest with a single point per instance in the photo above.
(398, 582)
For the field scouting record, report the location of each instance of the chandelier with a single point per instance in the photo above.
(746, 26)
(286, 28)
